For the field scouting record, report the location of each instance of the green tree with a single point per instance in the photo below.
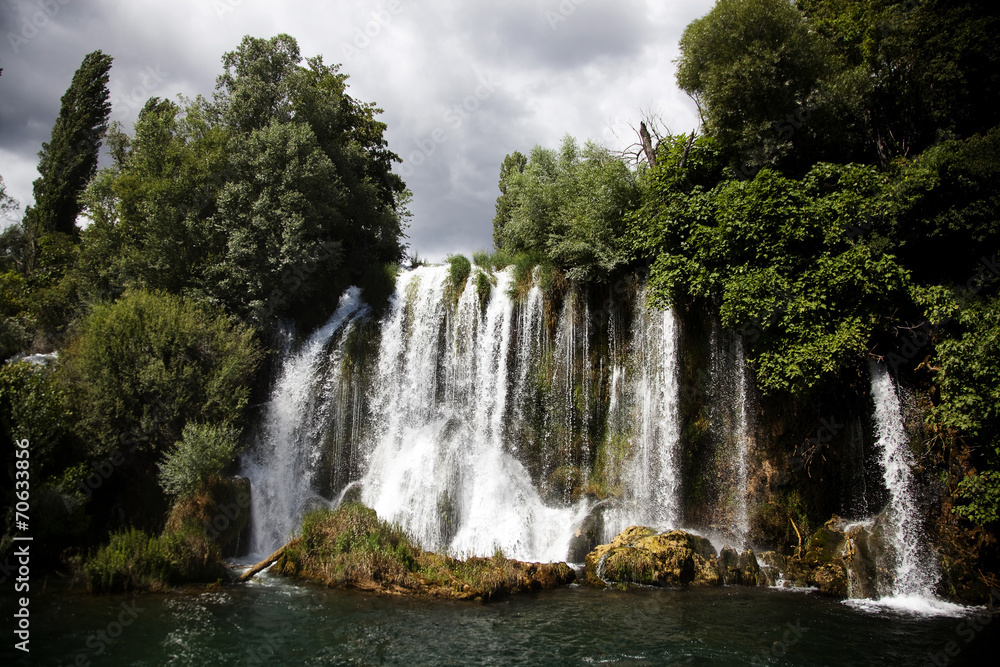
(569, 204)
(929, 68)
(269, 199)
(143, 367)
(7, 203)
(151, 209)
(755, 68)
(68, 160)
(512, 164)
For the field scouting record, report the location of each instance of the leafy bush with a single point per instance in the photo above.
(459, 268)
(800, 267)
(203, 451)
(142, 367)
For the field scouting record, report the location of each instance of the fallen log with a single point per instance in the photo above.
(263, 565)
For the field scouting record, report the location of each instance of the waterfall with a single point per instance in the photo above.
(916, 570)
(476, 423)
(438, 464)
(913, 560)
(727, 512)
(282, 463)
(645, 407)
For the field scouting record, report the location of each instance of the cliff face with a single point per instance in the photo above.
(496, 413)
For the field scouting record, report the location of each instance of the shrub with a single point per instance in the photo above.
(459, 268)
(203, 451)
(136, 561)
(145, 365)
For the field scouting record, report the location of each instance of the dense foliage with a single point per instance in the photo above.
(568, 204)
(840, 205)
(148, 364)
(273, 196)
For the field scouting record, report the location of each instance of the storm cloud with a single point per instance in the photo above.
(461, 84)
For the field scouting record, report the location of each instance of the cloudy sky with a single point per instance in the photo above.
(462, 84)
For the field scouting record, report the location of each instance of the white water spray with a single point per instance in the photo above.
(915, 560)
(283, 462)
(438, 465)
(645, 404)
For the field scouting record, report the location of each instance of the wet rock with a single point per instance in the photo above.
(740, 569)
(638, 555)
(586, 538)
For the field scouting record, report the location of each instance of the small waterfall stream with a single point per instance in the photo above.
(645, 408)
(912, 566)
(281, 465)
(916, 570)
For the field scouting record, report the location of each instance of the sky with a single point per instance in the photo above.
(462, 84)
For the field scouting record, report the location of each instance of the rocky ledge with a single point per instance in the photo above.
(640, 555)
(350, 547)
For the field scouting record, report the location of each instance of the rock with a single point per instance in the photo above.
(740, 569)
(830, 579)
(585, 539)
(638, 555)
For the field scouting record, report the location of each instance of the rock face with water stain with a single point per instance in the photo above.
(638, 555)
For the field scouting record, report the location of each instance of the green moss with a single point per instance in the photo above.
(352, 547)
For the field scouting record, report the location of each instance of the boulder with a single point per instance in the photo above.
(740, 569)
(639, 555)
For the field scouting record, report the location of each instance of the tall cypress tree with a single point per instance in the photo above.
(69, 160)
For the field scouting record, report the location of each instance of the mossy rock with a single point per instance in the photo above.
(638, 555)
(827, 544)
(740, 569)
(220, 507)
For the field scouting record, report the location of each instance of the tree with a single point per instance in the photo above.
(7, 203)
(302, 150)
(512, 164)
(68, 160)
(269, 199)
(929, 69)
(143, 367)
(570, 205)
(755, 68)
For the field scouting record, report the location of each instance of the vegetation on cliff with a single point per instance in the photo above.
(351, 547)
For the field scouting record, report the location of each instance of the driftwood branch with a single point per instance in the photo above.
(263, 565)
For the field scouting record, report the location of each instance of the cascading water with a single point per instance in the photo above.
(438, 464)
(730, 414)
(476, 425)
(645, 409)
(282, 464)
(914, 562)
(916, 570)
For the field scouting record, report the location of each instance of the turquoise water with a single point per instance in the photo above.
(280, 622)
